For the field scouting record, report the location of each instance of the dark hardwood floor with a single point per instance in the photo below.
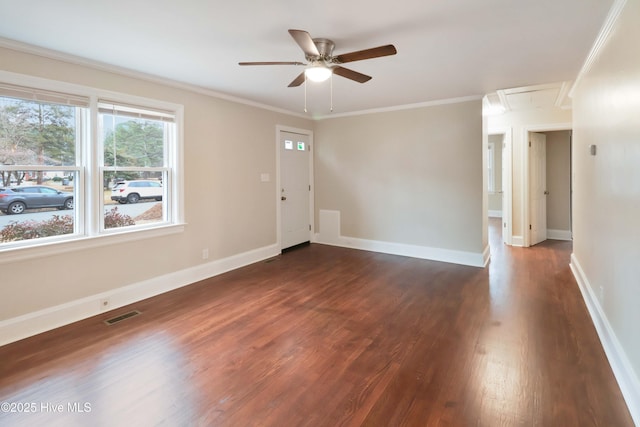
(325, 336)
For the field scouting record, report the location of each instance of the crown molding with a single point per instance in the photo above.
(598, 45)
(564, 101)
(402, 107)
(126, 72)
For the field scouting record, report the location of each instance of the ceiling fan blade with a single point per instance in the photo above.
(305, 42)
(375, 52)
(272, 63)
(298, 80)
(352, 75)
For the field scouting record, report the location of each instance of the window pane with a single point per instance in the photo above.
(37, 133)
(33, 210)
(490, 169)
(37, 203)
(132, 142)
(133, 198)
(135, 142)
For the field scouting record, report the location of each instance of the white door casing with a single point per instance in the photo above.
(505, 176)
(295, 189)
(507, 182)
(538, 187)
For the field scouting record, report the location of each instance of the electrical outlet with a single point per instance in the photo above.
(205, 253)
(105, 304)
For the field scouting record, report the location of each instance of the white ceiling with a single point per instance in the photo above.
(446, 49)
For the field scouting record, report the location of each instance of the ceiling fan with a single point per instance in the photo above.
(321, 63)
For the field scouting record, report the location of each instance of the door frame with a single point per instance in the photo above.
(507, 182)
(526, 189)
(309, 134)
(538, 198)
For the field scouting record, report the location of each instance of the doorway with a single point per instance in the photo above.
(295, 192)
(548, 187)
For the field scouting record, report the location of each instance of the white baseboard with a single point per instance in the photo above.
(495, 214)
(622, 368)
(559, 234)
(473, 259)
(30, 324)
(330, 234)
(486, 255)
(517, 241)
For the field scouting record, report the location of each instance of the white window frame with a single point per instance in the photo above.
(166, 169)
(89, 214)
(491, 167)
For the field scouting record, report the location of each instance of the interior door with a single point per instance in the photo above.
(538, 187)
(295, 189)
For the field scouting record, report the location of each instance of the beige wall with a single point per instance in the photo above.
(607, 186)
(559, 180)
(228, 210)
(412, 177)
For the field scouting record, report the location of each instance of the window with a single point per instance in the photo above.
(65, 176)
(40, 164)
(491, 172)
(135, 166)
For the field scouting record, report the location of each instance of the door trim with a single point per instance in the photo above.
(526, 191)
(309, 134)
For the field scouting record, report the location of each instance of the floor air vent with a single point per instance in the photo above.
(122, 317)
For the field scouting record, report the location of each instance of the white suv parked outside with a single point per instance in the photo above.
(133, 191)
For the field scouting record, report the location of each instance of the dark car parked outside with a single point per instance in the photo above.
(15, 200)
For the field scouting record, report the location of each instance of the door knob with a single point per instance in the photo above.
(283, 198)
(546, 193)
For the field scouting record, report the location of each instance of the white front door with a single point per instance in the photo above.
(538, 187)
(295, 189)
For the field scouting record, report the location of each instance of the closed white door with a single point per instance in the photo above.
(538, 187)
(295, 189)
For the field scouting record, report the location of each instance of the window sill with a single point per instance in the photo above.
(82, 243)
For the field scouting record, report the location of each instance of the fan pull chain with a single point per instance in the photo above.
(305, 92)
(331, 78)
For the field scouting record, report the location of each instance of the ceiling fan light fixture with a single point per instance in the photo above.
(318, 73)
